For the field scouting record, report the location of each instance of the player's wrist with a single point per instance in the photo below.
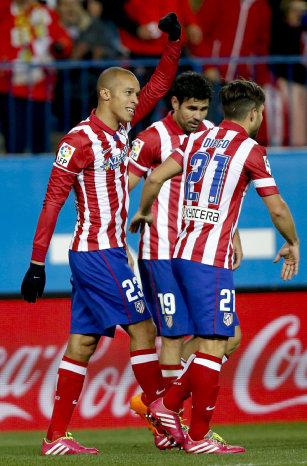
(36, 263)
(37, 267)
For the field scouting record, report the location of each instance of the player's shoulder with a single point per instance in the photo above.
(149, 134)
(256, 148)
(71, 143)
(146, 141)
(206, 124)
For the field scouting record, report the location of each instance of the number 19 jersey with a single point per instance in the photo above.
(218, 167)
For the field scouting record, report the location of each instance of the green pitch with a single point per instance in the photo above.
(266, 444)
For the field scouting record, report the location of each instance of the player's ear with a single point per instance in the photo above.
(253, 114)
(105, 94)
(175, 102)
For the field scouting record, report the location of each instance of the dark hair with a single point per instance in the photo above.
(239, 97)
(190, 85)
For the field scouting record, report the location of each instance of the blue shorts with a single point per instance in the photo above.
(164, 298)
(105, 292)
(210, 296)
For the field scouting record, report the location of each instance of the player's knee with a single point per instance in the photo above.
(81, 347)
(176, 342)
(150, 331)
(144, 333)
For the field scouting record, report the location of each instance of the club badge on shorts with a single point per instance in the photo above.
(169, 321)
(228, 318)
(139, 306)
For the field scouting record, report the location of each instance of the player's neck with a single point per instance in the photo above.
(244, 123)
(175, 118)
(107, 118)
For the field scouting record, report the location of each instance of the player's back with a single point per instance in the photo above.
(218, 166)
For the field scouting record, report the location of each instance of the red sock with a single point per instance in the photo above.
(170, 372)
(204, 380)
(145, 365)
(225, 358)
(180, 389)
(71, 376)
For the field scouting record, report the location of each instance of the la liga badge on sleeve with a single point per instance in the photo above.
(64, 154)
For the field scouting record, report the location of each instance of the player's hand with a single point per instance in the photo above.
(171, 26)
(291, 256)
(139, 221)
(33, 283)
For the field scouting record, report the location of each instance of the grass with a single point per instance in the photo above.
(266, 444)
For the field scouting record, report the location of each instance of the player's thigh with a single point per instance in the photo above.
(164, 298)
(210, 296)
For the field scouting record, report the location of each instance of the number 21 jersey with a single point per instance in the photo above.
(218, 167)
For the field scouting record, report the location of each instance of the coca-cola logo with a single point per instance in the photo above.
(111, 386)
(271, 376)
(289, 360)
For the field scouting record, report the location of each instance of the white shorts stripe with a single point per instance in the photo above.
(207, 363)
(142, 358)
(264, 182)
(68, 366)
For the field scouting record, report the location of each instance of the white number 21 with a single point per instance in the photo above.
(225, 302)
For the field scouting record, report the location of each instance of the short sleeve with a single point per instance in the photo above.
(145, 152)
(259, 170)
(178, 154)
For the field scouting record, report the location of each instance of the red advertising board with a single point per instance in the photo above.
(265, 380)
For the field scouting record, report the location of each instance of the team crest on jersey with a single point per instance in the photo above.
(136, 148)
(139, 306)
(122, 130)
(267, 165)
(228, 318)
(64, 154)
(169, 321)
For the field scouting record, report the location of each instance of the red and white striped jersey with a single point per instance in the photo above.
(92, 159)
(218, 166)
(149, 150)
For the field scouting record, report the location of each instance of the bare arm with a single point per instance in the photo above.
(283, 221)
(237, 251)
(133, 180)
(151, 189)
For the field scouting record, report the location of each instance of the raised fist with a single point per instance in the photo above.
(171, 26)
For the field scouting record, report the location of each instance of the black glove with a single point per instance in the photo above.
(171, 26)
(33, 283)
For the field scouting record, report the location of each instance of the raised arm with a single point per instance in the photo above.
(165, 72)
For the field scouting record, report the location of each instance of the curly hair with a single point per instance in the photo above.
(190, 85)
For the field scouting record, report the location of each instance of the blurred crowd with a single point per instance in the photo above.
(41, 32)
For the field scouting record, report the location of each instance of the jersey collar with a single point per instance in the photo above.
(226, 124)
